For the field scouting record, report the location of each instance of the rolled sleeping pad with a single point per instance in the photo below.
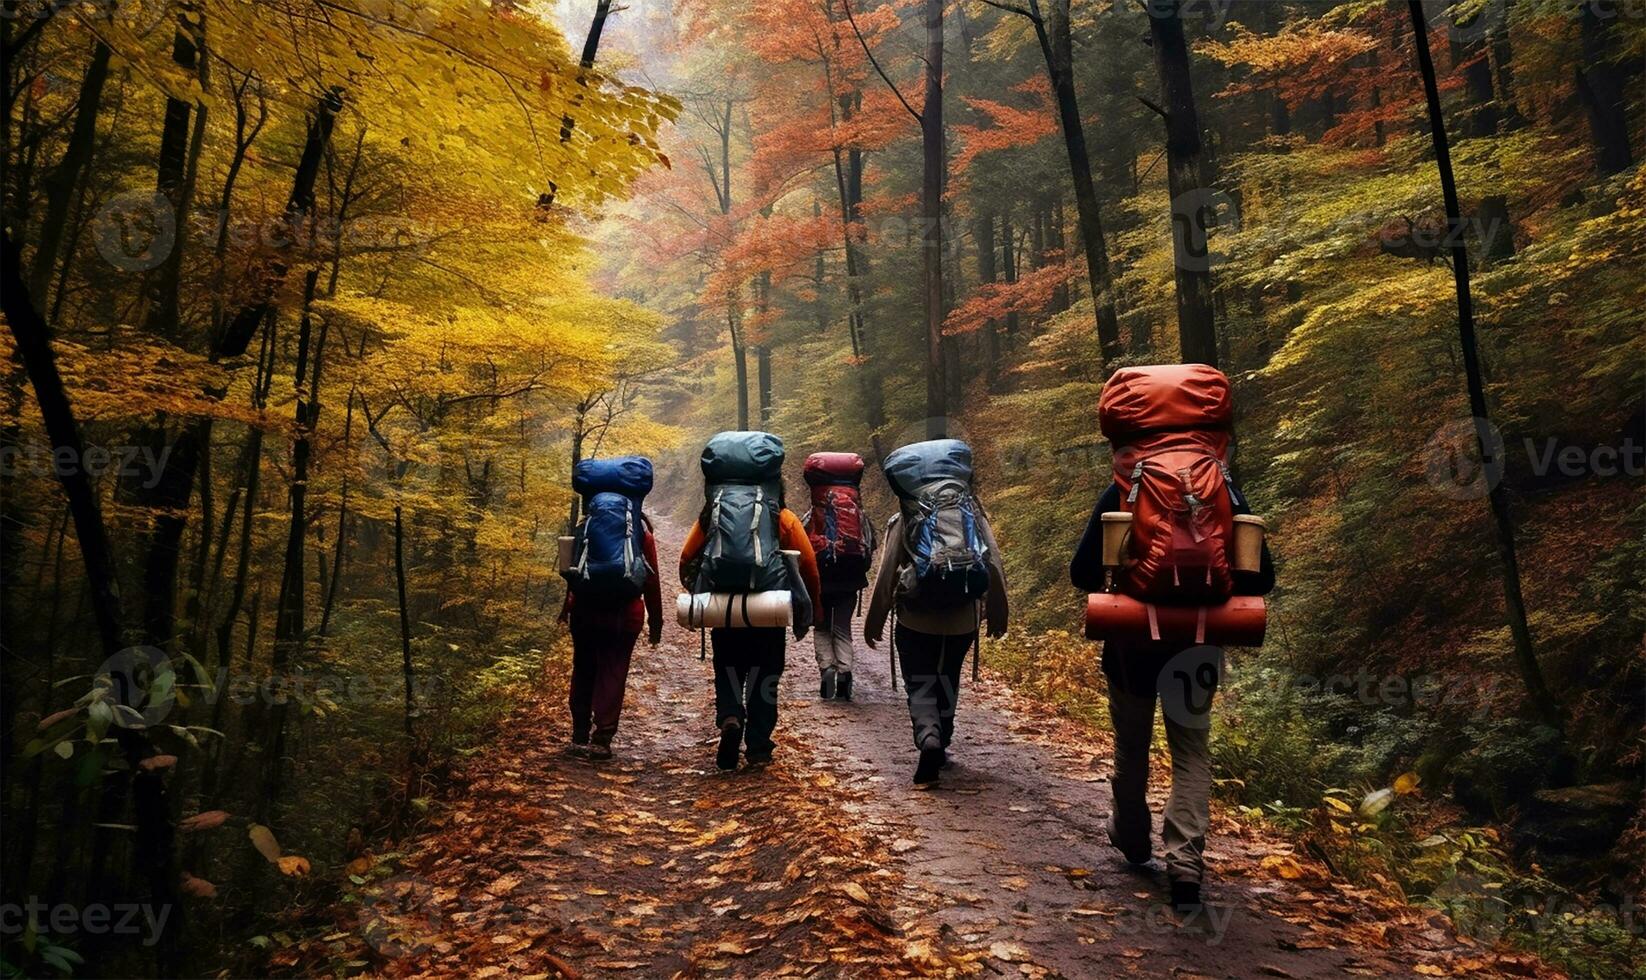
(914, 466)
(630, 476)
(721, 610)
(1239, 622)
(833, 469)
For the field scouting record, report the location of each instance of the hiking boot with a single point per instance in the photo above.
(758, 757)
(948, 760)
(731, 733)
(1186, 896)
(1134, 857)
(576, 749)
(827, 690)
(931, 761)
(599, 752)
(843, 688)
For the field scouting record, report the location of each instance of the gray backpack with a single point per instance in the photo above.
(743, 490)
(948, 559)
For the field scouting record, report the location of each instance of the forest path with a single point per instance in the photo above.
(830, 862)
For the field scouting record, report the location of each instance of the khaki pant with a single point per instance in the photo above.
(832, 633)
(1185, 686)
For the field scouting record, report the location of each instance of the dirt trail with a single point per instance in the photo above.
(830, 862)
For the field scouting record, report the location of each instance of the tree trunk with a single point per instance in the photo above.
(237, 333)
(1008, 264)
(406, 668)
(342, 526)
(740, 361)
(1057, 48)
(172, 179)
(1504, 73)
(152, 848)
(1541, 699)
(1468, 48)
(984, 232)
(59, 184)
(1600, 87)
(763, 351)
(171, 494)
(291, 606)
(1196, 316)
(931, 218)
(591, 51)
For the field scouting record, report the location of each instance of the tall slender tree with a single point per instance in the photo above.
(1538, 695)
(1186, 180)
(1053, 31)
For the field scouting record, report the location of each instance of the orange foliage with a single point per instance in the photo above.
(1031, 293)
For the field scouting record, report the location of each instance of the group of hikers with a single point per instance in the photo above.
(752, 571)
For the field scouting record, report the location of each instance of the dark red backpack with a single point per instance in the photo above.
(1169, 425)
(839, 530)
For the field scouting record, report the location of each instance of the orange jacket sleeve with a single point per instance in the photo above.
(695, 540)
(792, 536)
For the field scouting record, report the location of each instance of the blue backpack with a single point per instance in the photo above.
(948, 560)
(609, 550)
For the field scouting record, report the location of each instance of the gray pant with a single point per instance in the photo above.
(1185, 689)
(832, 633)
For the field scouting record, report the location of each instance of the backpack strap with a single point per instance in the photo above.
(1228, 481)
(1137, 474)
(714, 522)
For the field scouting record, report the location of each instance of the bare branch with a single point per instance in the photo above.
(876, 63)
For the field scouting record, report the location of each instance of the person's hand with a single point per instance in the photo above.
(872, 642)
(996, 632)
(655, 635)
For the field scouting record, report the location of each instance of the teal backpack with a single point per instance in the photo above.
(743, 503)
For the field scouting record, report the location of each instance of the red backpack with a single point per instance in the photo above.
(836, 524)
(1169, 425)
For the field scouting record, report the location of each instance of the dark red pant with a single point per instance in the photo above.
(600, 672)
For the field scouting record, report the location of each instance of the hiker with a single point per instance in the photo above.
(737, 547)
(1170, 426)
(939, 564)
(843, 539)
(612, 589)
